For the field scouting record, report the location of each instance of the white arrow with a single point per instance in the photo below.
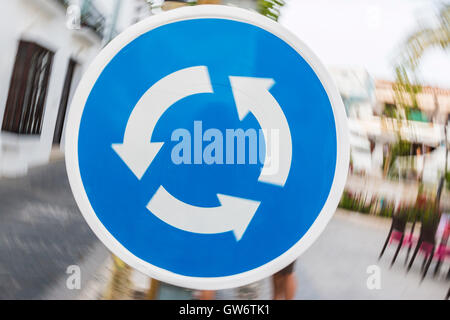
(136, 150)
(234, 214)
(252, 94)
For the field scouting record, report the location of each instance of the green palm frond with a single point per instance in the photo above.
(426, 38)
(270, 8)
(417, 44)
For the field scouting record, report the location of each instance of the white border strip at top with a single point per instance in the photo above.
(86, 85)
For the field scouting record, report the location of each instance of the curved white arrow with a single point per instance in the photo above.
(234, 214)
(252, 94)
(136, 150)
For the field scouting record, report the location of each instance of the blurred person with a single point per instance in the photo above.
(207, 295)
(285, 283)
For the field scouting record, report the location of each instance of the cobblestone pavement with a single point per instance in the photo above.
(41, 233)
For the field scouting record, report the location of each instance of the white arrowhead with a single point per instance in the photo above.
(136, 150)
(252, 94)
(240, 212)
(241, 85)
(234, 214)
(138, 158)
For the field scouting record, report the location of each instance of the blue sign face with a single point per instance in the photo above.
(207, 148)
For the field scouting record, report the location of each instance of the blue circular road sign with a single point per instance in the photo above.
(207, 147)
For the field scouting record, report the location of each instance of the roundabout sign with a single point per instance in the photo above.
(207, 147)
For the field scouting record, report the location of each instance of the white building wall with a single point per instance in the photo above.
(354, 85)
(43, 22)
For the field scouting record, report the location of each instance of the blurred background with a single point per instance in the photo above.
(389, 236)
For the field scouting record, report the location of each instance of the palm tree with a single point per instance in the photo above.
(417, 44)
(427, 38)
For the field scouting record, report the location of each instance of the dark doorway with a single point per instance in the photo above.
(24, 109)
(64, 102)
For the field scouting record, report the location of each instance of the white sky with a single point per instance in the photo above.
(365, 33)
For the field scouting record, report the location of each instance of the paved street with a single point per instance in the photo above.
(335, 266)
(42, 233)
